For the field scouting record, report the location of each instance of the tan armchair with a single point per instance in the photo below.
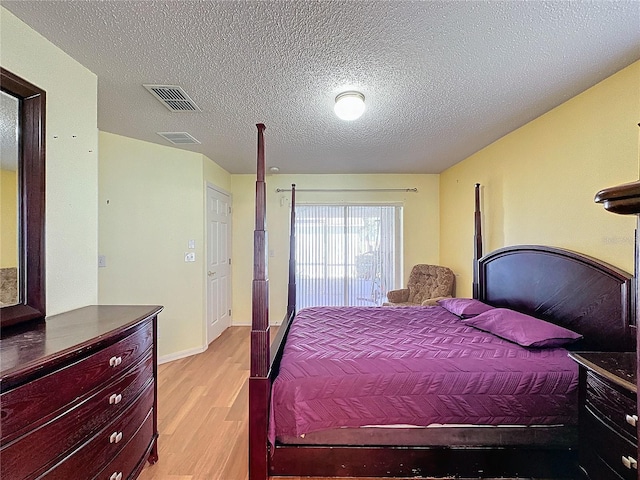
(427, 284)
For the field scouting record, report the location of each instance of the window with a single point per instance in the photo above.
(347, 254)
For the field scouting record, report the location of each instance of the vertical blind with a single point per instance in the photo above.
(347, 254)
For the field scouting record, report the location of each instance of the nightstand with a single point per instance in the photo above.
(608, 415)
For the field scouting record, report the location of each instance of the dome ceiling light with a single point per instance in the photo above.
(349, 105)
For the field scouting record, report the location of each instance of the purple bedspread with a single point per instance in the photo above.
(358, 366)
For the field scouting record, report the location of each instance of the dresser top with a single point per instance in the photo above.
(617, 367)
(622, 199)
(62, 336)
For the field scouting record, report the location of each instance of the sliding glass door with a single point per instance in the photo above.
(347, 254)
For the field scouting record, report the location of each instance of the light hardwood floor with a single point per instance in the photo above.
(203, 405)
(203, 414)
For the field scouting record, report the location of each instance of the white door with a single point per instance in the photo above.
(218, 260)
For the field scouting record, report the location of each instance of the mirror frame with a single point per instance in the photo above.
(31, 202)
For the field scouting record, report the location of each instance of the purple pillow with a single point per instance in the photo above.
(464, 307)
(523, 329)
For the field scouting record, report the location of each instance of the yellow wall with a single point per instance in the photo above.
(152, 200)
(216, 175)
(71, 161)
(8, 219)
(421, 225)
(540, 180)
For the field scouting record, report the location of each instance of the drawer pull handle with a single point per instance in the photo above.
(115, 399)
(631, 419)
(115, 437)
(115, 361)
(629, 462)
(116, 476)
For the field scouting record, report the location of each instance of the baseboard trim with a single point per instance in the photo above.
(273, 324)
(178, 355)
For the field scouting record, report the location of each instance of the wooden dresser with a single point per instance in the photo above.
(625, 200)
(608, 418)
(78, 395)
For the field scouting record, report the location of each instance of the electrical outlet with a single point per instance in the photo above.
(102, 261)
(190, 257)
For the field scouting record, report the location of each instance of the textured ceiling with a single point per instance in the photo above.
(442, 79)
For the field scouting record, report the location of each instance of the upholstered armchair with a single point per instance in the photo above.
(427, 284)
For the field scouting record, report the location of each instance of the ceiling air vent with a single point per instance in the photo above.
(173, 97)
(179, 138)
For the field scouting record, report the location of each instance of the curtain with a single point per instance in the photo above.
(347, 254)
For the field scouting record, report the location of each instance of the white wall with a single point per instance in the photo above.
(71, 161)
(152, 202)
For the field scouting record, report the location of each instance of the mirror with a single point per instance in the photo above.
(9, 259)
(23, 270)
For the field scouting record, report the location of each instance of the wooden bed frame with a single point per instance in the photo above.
(560, 286)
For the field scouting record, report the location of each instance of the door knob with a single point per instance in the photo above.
(211, 274)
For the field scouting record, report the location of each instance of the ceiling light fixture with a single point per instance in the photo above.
(349, 105)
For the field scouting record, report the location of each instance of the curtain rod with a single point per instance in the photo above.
(414, 190)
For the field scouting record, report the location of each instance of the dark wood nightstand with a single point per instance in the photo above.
(608, 415)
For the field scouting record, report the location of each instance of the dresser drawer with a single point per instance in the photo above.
(597, 469)
(615, 405)
(39, 448)
(132, 457)
(35, 403)
(609, 446)
(136, 423)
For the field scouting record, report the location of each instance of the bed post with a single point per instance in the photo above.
(477, 244)
(259, 383)
(291, 299)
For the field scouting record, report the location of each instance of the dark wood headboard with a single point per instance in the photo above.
(564, 287)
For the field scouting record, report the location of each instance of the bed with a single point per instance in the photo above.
(446, 417)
